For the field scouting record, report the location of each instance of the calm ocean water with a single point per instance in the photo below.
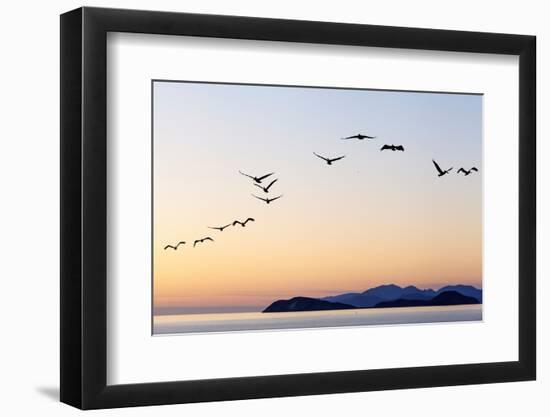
(199, 323)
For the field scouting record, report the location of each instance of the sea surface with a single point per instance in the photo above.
(226, 322)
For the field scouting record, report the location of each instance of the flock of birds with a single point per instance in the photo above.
(208, 238)
(257, 181)
(392, 147)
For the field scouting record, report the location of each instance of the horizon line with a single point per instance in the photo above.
(243, 308)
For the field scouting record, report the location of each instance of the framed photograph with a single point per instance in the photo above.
(258, 208)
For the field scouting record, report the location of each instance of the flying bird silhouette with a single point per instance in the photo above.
(467, 171)
(174, 247)
(329, 161)
(243, 224)
(393, 148)
(220, 228)
(257, 179)
(359, 136)
(440, 171)
(202, 240)
(267, 200)
(266, 189)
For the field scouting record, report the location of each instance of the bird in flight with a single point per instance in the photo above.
(257, 180)
(266, 189)
(441, 172)
(267, 200)
(467, 171)
(329, 161)
(220, 228)
(359, 136)
(243, 224)
(393, 148)
(202, 240)
(174, 247)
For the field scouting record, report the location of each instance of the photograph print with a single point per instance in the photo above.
(292, 207)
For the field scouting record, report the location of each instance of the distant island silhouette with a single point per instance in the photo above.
(383, 296)
(305, 304)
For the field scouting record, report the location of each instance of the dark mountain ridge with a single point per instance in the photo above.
(375, 295)
(468, 290)
(383, 296)
(305, 304)
(446, 298)
(355, 299)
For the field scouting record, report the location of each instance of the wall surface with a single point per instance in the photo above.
(29, 225)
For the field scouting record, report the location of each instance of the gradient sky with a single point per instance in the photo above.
(372, 218)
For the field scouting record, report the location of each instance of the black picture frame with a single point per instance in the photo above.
(84, 207)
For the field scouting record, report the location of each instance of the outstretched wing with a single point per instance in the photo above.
(270, 184)
(259, 198)
(236, 222)
(352, 137)
(437, 167)
(246, 175)
(258, 185)
(275, 198)
(196, 241)
(370, 137)
(169, 246)
(385, 147)
(250, 219)
(207, 238)
(461, 170)
(399, 148)
(319, 156)
(265, 176)
(473, 169)
(216, 228)
(337, 159)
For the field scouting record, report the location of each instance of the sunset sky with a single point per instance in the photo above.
(372, 218)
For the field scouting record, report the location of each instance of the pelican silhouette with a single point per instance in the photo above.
(440, 171)
(220, 228)
(329, 161)
(359, 136)
(267, 200)
(202, 240)
(257, 179)
(174, 247)
(467, 171)
(266, 189)
(243, 224)
(393, 148)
